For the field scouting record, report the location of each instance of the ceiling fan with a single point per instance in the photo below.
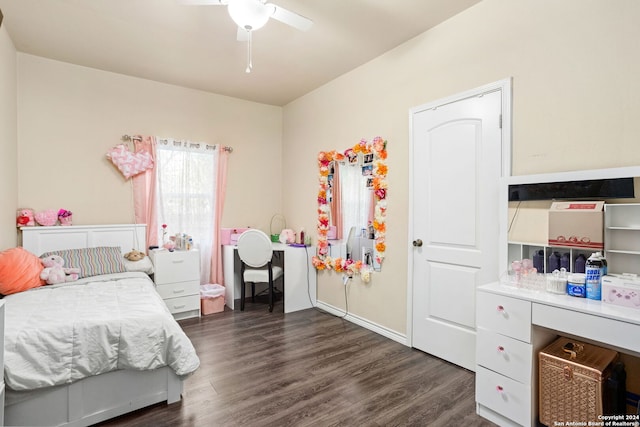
(251, 15)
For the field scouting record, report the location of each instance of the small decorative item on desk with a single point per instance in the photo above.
(557, 281)
(64, 216)
(524, 275)
(287, 236)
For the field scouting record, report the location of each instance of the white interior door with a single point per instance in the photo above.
(457, 165)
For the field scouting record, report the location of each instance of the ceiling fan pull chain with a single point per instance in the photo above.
(249, 64)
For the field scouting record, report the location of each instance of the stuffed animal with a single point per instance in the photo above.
(287, 236)
(24, 218)
(134, 255)
(47, 217)
(55, 272)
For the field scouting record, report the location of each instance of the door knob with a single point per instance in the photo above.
(417, 243)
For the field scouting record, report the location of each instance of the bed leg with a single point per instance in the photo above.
(174, 388)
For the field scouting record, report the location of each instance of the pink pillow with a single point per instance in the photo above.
(130, 164)
(19, 271)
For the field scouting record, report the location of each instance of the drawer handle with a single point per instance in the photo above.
(177, 261)
(500, 349)
(179, 306)
(499, 389)
(178, 291)
(500, 309)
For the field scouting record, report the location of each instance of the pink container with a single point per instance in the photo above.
(229, 236)
(65, 220)
(212, 305)
(211, 298)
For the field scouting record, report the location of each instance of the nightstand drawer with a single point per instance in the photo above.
(505, 315)
(505, 355)
(180, 289)
(177, 266)
(180, 304)
(503, 395)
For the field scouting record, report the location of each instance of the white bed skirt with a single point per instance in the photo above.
(93, 399)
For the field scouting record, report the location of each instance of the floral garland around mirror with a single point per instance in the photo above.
(322, 261)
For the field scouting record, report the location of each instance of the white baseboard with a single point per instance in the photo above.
(367, 324)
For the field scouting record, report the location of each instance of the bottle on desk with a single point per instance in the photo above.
(579, 264)
(554, 262)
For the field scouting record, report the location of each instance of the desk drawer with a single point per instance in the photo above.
(505, 315)
(505, 355)
(180, 304)
(173, 290)
(614, 332)
(503, 395)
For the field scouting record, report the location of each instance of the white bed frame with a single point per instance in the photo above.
(105, 396)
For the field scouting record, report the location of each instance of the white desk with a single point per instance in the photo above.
(299, 276)
(519, 323)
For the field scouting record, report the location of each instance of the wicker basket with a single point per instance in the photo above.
(280, 223)
(571, 381)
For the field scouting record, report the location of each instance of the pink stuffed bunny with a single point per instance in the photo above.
(54, 272)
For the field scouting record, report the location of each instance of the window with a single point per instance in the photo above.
(186, 199)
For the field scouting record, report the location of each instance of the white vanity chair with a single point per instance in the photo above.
(255, 252)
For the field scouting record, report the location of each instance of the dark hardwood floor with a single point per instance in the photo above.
(309, 368)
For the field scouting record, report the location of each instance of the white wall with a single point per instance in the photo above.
(68, 116)
(8, 142)
(574, 66)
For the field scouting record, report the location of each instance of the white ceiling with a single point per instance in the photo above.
(196, 46)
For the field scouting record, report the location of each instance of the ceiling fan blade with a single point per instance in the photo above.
(290, 18)
(243, 35)
(205, 2)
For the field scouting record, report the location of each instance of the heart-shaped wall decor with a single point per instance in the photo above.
(130, 164)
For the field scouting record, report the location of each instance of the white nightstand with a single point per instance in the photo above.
(177, 279)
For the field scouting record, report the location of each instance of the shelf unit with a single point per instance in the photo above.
(521, 250)
(622, 237)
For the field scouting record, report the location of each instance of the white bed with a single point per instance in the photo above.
(99, 397)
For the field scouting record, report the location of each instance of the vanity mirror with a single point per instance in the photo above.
(352, 208)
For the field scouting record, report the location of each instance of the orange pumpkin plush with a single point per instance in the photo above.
(19, 271)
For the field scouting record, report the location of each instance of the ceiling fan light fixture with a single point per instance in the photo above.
(248, 14)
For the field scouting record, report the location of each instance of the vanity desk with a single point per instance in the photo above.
(514, 324)
(299, 275)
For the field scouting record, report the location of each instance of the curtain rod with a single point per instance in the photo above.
(137, 138)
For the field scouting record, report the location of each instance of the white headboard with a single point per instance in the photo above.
(39, 240)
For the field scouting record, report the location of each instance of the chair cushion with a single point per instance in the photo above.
(261, 275)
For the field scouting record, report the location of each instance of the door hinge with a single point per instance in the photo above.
(500, 121)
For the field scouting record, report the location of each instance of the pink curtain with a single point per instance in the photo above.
(336, 202)
(216, 250)
(144, 192)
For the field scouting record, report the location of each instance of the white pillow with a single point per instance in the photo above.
(144, 265)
